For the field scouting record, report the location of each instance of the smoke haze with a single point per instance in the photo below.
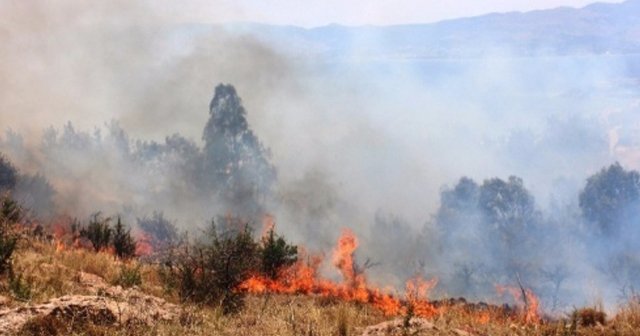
(366, 143)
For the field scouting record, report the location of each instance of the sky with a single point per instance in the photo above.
(348, 12)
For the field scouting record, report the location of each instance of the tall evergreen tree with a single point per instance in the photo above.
(236, 165)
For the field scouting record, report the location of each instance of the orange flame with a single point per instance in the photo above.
(144, 246)
(60, 247)
(303, 278)
(417, 291)
(268, 225)
(482, 317)
(530, 302)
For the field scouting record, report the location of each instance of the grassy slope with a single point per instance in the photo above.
(48, 273)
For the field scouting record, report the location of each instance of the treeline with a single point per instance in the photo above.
(483, 233)
(106, 168)
(493, 233)
(204, 270)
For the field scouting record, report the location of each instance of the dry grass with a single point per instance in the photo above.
(51, 273)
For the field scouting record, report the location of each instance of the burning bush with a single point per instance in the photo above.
(123, 244)
(275, 254)
(588, 317)
(103, 237)
(210, 270)
(98, 232)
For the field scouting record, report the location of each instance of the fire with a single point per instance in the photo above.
(417, 290)
(144, 246)
(268, 225)
(303, 278)
(483, 317)
(529, 301)
(60, 247)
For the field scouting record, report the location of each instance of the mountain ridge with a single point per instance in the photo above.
(596, 29)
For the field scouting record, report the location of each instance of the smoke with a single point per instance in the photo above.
(362, 142)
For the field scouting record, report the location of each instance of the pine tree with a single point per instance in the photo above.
(236, 165)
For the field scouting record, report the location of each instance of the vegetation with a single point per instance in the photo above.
(8, 175)
(236, 165)
(9, 215)
(497, 221)
(611, 197)
(129, 276)
(124, 245)
(98, 231)
(210, 270)
(275, 254)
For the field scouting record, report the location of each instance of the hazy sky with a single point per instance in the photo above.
(349, 12)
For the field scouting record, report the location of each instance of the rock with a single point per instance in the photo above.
(397, 327)
(114, 305)
(459, 332)
(92, 282)
(417, 326)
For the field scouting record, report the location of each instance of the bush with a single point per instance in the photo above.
(20, 287)
(129, 276)
(275, 254)
(8, 235)
(8, 244)
(98, 232)
(10, 210)
(123, 244)
(210, 270)
(8, 175)
(588, 317)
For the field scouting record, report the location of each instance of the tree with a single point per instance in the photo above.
(275, 254)
(123, 244)
(236, 165)
(507, 205)
(8, 175)
(458, 206)
(610, 197)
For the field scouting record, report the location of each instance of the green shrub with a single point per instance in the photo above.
(8, 235)
(98, 231)
(10, 210)
(210, 270)
(8, 175)
(20, 287)
(123, 244)
(129, 276)
(275, 254)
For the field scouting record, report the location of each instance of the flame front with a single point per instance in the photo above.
(303, 278)
(529, 301)
(144, 244)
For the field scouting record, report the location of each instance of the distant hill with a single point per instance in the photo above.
(595, 29)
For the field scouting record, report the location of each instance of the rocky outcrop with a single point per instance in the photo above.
(108, 306)
(415, 326)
